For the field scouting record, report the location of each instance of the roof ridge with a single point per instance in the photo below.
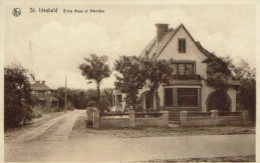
(40, 86)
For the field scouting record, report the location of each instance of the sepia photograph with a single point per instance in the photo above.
(129, 81)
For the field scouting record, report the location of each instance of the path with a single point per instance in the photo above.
(63, 130)
(133, 149)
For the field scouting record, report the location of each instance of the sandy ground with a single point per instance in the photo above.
(133, 149)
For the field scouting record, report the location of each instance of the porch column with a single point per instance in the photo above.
(144, 101)
(116, 100)
(199, 99)
(175, 97)
(123, 101)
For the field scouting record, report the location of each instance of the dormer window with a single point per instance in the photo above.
(182, 45)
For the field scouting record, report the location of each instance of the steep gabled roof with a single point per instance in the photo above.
(153, 50)
(148, 48)
(54, 99)
(40, 87)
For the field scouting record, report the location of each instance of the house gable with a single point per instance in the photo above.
(170, 51)
(192, 53)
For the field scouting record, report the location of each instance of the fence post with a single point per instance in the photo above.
(95, 119)
(184, 118)
(165, 118)
(214, 113)
(245, 117)
(132, 118)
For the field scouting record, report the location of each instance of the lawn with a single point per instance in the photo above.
(80, 130)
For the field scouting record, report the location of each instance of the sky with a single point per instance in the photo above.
(60, 41)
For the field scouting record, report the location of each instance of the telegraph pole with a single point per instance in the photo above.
(30, 55)
(66, 92)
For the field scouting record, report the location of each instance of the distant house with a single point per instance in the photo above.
(42, 95)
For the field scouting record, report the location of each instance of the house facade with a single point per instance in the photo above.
(42, 95)
(187, 89)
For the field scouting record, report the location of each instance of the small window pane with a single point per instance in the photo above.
(189, 69)
(181, 69)
(174, 68)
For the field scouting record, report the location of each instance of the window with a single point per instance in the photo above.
(182, 45)
(188, 97)
(183, 69)
(168, 97)
(47, 92)
(34, 93)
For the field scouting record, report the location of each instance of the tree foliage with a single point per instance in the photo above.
(136, 72)
(107, 95)
(17, 95)
(131, 78)
(157, 72)
(247, 90)
(81, 99)
(96, 69)
(219, 73)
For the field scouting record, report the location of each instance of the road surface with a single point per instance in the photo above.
(50, 143)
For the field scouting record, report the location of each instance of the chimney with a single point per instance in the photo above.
(161, 30)
(43, 82)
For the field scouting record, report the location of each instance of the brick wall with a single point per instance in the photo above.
(130, 121)
(213, 119)
(113, 122)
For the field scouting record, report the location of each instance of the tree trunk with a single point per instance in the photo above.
(98, 91)
(100, 107)
(134, 107)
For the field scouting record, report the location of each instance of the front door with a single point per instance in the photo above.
(219, 101)
(149, 101)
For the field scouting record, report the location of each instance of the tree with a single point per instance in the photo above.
(219, 73)
(247, 90)
(96, 69)
(157, 73)
(17, 95)
(131, 78)
(79, 98)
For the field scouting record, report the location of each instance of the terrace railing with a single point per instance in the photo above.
(186, 77)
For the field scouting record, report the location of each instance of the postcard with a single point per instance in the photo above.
(129, 81)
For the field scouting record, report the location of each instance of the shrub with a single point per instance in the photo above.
(17, 96)
(92, 103)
